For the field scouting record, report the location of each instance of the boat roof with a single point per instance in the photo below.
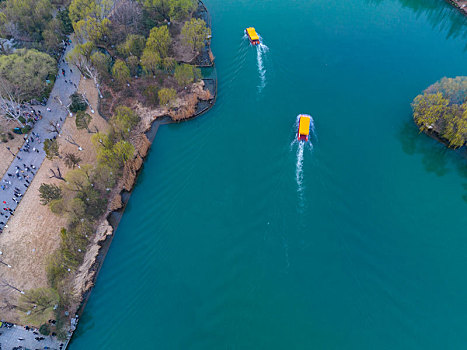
(304, 126)
(252, 33)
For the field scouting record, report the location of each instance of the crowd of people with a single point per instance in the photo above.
(20, 179)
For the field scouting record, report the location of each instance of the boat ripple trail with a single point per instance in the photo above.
(300, 152)
(261, 50)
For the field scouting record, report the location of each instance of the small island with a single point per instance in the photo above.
(441, 111)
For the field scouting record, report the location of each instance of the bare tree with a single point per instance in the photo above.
(72, 160)
(69, 138)
(80, 58)
(53, 127)
(8, 305)
(4, 263)
(57, 174)
(5, 283)
(10, 100)
(127, 15)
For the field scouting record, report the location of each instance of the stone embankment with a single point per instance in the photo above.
(460, 4)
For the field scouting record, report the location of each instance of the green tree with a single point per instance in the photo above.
(151, 95)
(64, 16)
(78, 103)
(101, 62)
(123, 120)
(133, 45)
(166, 96)
(81, 9)
(27, 71)
(454, 89)
(169, 64)
(71, 160)
(48, 193)
(171, 9)
(53, 35)
(133, 64)
(186, 74)
(121, 72)
(44, 329)
(25, 19)
(80, 56)
(91, 29)
(51, 148)
(195, 33)
(78, 179)
(38, 304)
(428, 109)
(82, 120)
(159, 41)
(123, 151)
(150, 60)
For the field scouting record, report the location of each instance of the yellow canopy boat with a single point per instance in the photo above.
(252, 35)
(303, 127)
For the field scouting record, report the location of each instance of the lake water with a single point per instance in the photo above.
(237, 238)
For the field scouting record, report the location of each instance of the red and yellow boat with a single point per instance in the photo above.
(252, 35)
(303, 127)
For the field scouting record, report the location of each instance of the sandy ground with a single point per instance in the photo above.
(33, 233)
(5, 156)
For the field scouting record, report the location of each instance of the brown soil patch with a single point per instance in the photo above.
(33, 233)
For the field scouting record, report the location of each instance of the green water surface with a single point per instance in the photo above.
(226, 244)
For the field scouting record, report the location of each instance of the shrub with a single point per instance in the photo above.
(166, 96)
(26, 129)
(44, 329)
(78, 103)
(186, 74)
(49, 193)
(11, 136)
(151, 94)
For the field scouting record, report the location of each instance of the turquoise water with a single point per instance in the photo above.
(225, 244)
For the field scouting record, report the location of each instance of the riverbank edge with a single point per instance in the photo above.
(114, 217)
(457, 4)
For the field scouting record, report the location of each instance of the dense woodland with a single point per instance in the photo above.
(123, 46)
(442, 109)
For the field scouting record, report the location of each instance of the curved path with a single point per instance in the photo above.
(24, 166)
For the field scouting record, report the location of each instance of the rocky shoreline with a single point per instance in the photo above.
(461, 5)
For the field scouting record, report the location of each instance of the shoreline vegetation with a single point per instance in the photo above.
(441, 111)
(139, 61)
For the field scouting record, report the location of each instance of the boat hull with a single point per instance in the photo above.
(303, 131)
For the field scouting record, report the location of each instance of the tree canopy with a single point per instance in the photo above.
(25, 19)
(28, 71)
(195, 33)
(442, 108)
(186, 74)
(171, 9)
(159, 41)
(81, 9)
(123, 120)
(121, 72)
(166, 96)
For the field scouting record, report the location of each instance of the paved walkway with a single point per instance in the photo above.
(17, 337)
(28, 160)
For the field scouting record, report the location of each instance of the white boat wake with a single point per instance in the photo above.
(261, 50)
(301, 151)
